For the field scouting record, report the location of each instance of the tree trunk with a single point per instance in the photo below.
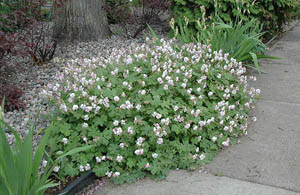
(83, 20)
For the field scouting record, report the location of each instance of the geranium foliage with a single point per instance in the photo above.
(148, 108)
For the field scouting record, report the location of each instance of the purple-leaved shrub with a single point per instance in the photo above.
(148, 108)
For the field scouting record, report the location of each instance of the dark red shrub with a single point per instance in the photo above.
(11, 94)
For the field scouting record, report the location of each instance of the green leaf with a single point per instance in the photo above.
(131, 162)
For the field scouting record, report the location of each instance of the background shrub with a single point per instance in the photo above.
(271, 13)
(148, 108)
(138, 12)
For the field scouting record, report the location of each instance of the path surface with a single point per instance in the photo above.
(267, 161)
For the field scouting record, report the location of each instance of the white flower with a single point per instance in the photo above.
(116, 98)
(202, 123)
(139, 152)
(158, 116)
(147, 165)
(138, 107)
(254, 119)
(116, 123)
(85, 125)
(86, 117)
(187, 125)
(109, 173)
(119, 158)
(98, 160)
(195, 156)
(75, 107)
(65, 140)
(87, 167)
(140, 141)
(154, 155)
(125, 83)
(116, 174)
(199, 138)
(143, 92)
(160, 140)
(166, 87)
(121, 145)
(176, 108)
(210, 93)
(257, 91)
(44, 163)
(81, 168)
(118, 131)
(202, 156)
(195, 128)
(72, 95)
(56, 169)
(225, 143)
(160, 80)
(130, 130)
(214, 138)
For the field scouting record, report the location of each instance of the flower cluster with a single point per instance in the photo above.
(149, 108)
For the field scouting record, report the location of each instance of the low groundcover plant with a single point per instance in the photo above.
(149, 108)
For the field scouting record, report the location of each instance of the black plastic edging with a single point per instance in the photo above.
(78, 184)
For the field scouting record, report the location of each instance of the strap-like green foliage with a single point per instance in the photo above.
(18, 172)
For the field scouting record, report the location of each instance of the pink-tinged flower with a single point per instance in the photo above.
(86, 117)
(98, 160)
(175, 108)
(160, 140)
(138, 107)
(75, 107)
(116, 98)
(81, 168)
(147, 165)
(109, 173)
(214, 138)
(202, 157)
(130, 130)
(87, 167)
(56, 169)
(199, 138)
(187, 125)
(121, 145)
(116, 123)
(154, 155)
(139, 152)
(166, 87)
(257, 91)
(64, 140)
(116, 174)
(85, 125)
(119, 158)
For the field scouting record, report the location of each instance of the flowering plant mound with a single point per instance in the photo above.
(149, 108)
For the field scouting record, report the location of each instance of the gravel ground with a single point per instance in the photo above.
(33, 79)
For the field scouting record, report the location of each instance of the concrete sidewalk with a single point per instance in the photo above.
(268, 160)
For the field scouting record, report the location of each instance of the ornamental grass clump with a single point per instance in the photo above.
(149, 108)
